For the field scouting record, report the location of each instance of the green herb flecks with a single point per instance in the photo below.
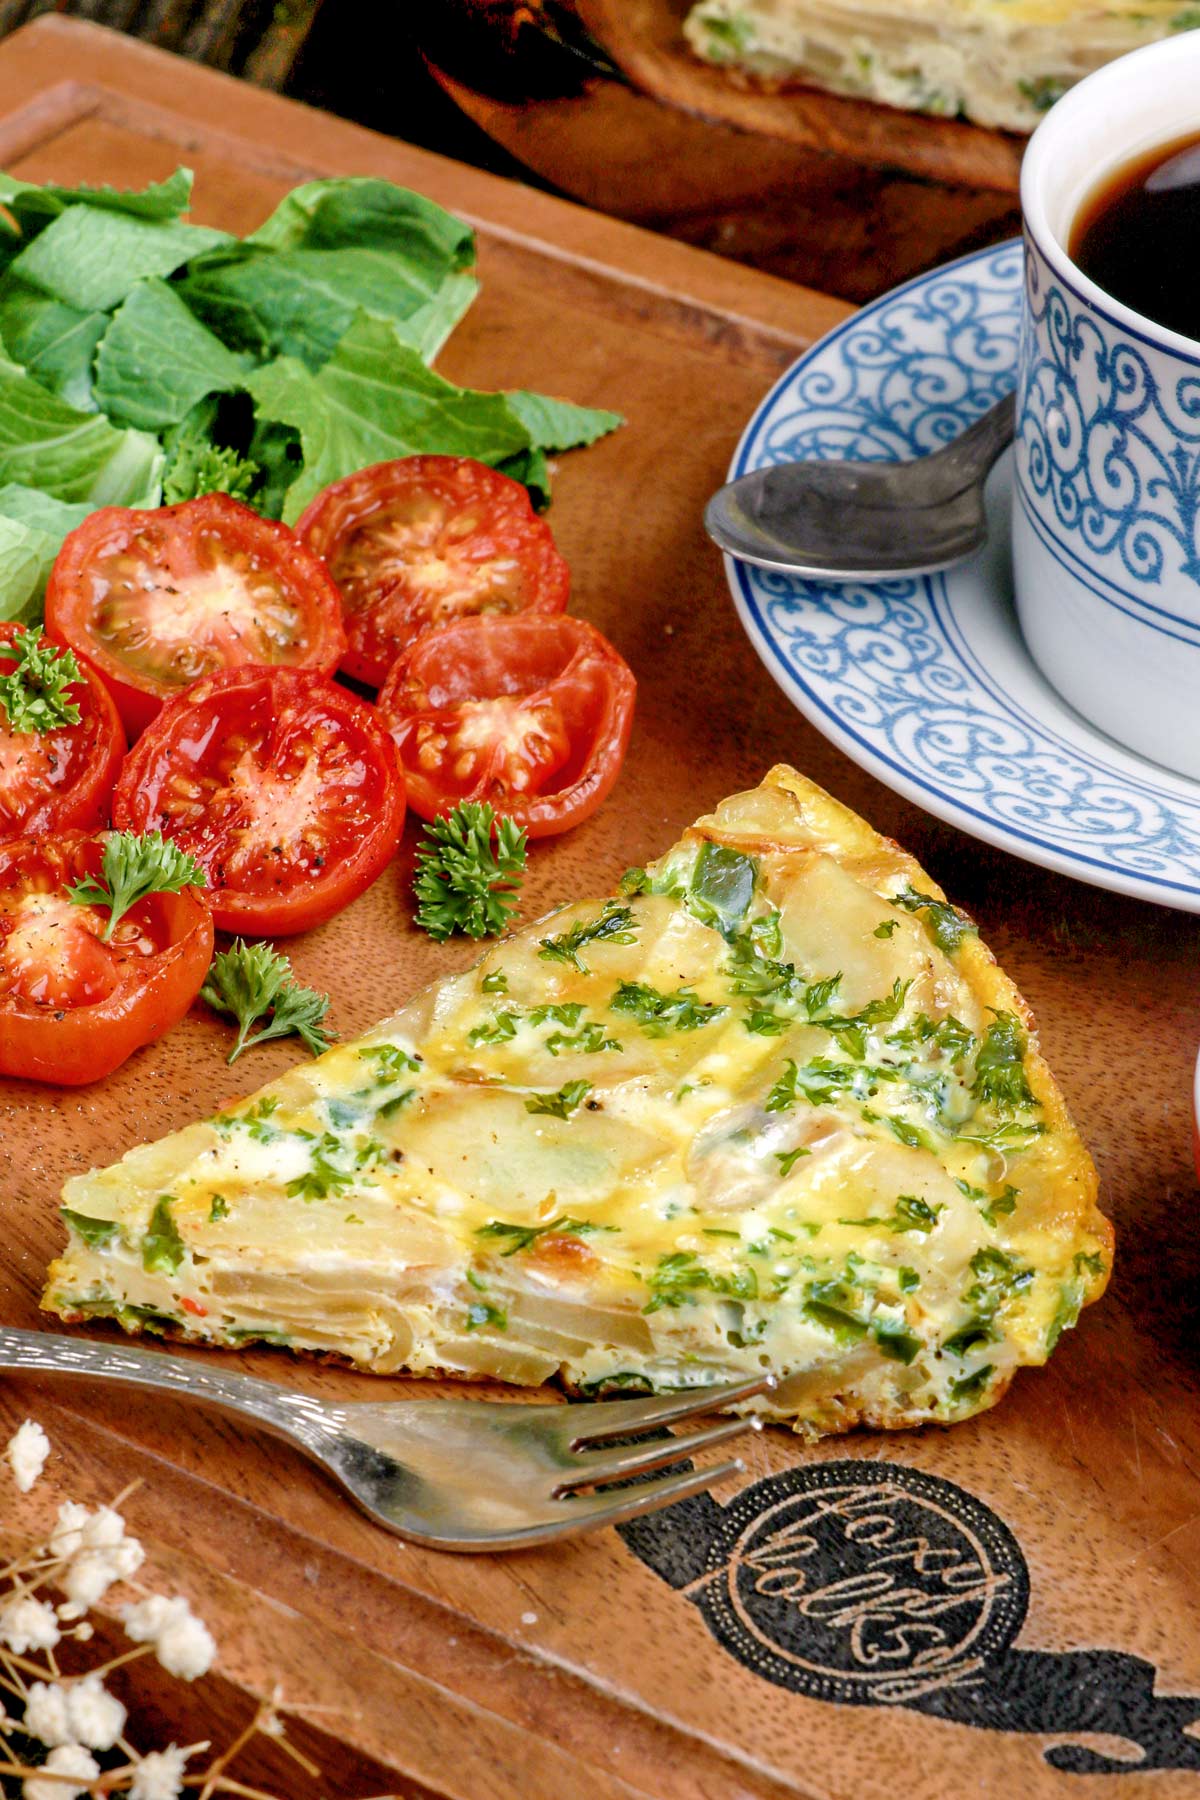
(510, 1239)
(944, 923)
(252, 982)
(911, 1213)
(323, 1179)
(560, 1105)
(33, 695)
(1042, 91)
(498, 1030)
(469, 868)
(992, 1207)
(819, 1082)
(657, 1013)
(680, 1276)
(970, 1387)
(94, 1232)
(612, 926)
(722, 886)
(787, 1159)
(481, 1314)
(162, 1247)
(1000, 1079)
(133, 866)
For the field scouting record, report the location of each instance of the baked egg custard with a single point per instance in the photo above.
(999, 62)
(771, 1106)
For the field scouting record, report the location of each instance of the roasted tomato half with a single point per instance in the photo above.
(418, 542)
(72, 1007)
(155, 598)
(283, 786)
(54, 779)
(530, 713)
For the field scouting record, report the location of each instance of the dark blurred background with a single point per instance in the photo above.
(358, 58)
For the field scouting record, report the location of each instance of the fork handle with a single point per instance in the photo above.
(282, 1410)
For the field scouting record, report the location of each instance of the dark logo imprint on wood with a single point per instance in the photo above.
(872, 1584)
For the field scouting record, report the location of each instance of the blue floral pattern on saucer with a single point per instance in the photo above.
(927, 682)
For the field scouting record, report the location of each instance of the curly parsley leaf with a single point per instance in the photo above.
(133, 866)
(469, 868)
(198, 467)
(1000, 1065)
(252, 982)
(33, 695)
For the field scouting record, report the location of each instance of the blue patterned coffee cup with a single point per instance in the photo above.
(1106, 525)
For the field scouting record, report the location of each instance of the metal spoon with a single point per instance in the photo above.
(864, 521)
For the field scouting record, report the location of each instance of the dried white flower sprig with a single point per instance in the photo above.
(70, 1714)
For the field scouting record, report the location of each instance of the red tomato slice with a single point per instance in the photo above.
(283, 786)
(72, 1008)
(53, 780)
(153, 599)
(530, 713)
(418, 542)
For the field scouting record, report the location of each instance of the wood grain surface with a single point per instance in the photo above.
(843, 194)
(582, 1673)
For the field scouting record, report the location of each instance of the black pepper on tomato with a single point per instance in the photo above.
(283, 786)
(155, 598)
(531, 714)
(426, 539)
(84, 983)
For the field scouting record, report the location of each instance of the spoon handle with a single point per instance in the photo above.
(977, 448)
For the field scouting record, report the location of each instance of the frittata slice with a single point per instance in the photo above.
(770, 1106)
(999, 62)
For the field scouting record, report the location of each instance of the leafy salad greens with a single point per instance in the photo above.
(146, 359)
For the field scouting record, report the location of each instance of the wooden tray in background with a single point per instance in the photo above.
(1045, 1553)
(844, 195)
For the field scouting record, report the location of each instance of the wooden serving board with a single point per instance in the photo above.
(846, 195)
(1003, 1607)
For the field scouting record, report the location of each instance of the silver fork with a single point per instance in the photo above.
(453, 1474)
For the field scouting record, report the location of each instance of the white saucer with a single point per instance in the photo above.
(927, 682)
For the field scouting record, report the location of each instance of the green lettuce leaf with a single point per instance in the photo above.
(427, 329)
(23, 570)
(56, 344)
(33, 205)
(375, 400)
(89, 257)
(68, 454)
(558, 424)
(157, 360)
(330, 249)
(32, 528)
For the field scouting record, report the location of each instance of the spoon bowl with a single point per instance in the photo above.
(864, 521)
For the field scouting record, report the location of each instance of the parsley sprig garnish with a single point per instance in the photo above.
(253, 982)
(133, 866)
(198, 467)
(469, 868)
(33, 695)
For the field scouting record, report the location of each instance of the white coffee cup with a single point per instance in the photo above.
(1106, 527)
